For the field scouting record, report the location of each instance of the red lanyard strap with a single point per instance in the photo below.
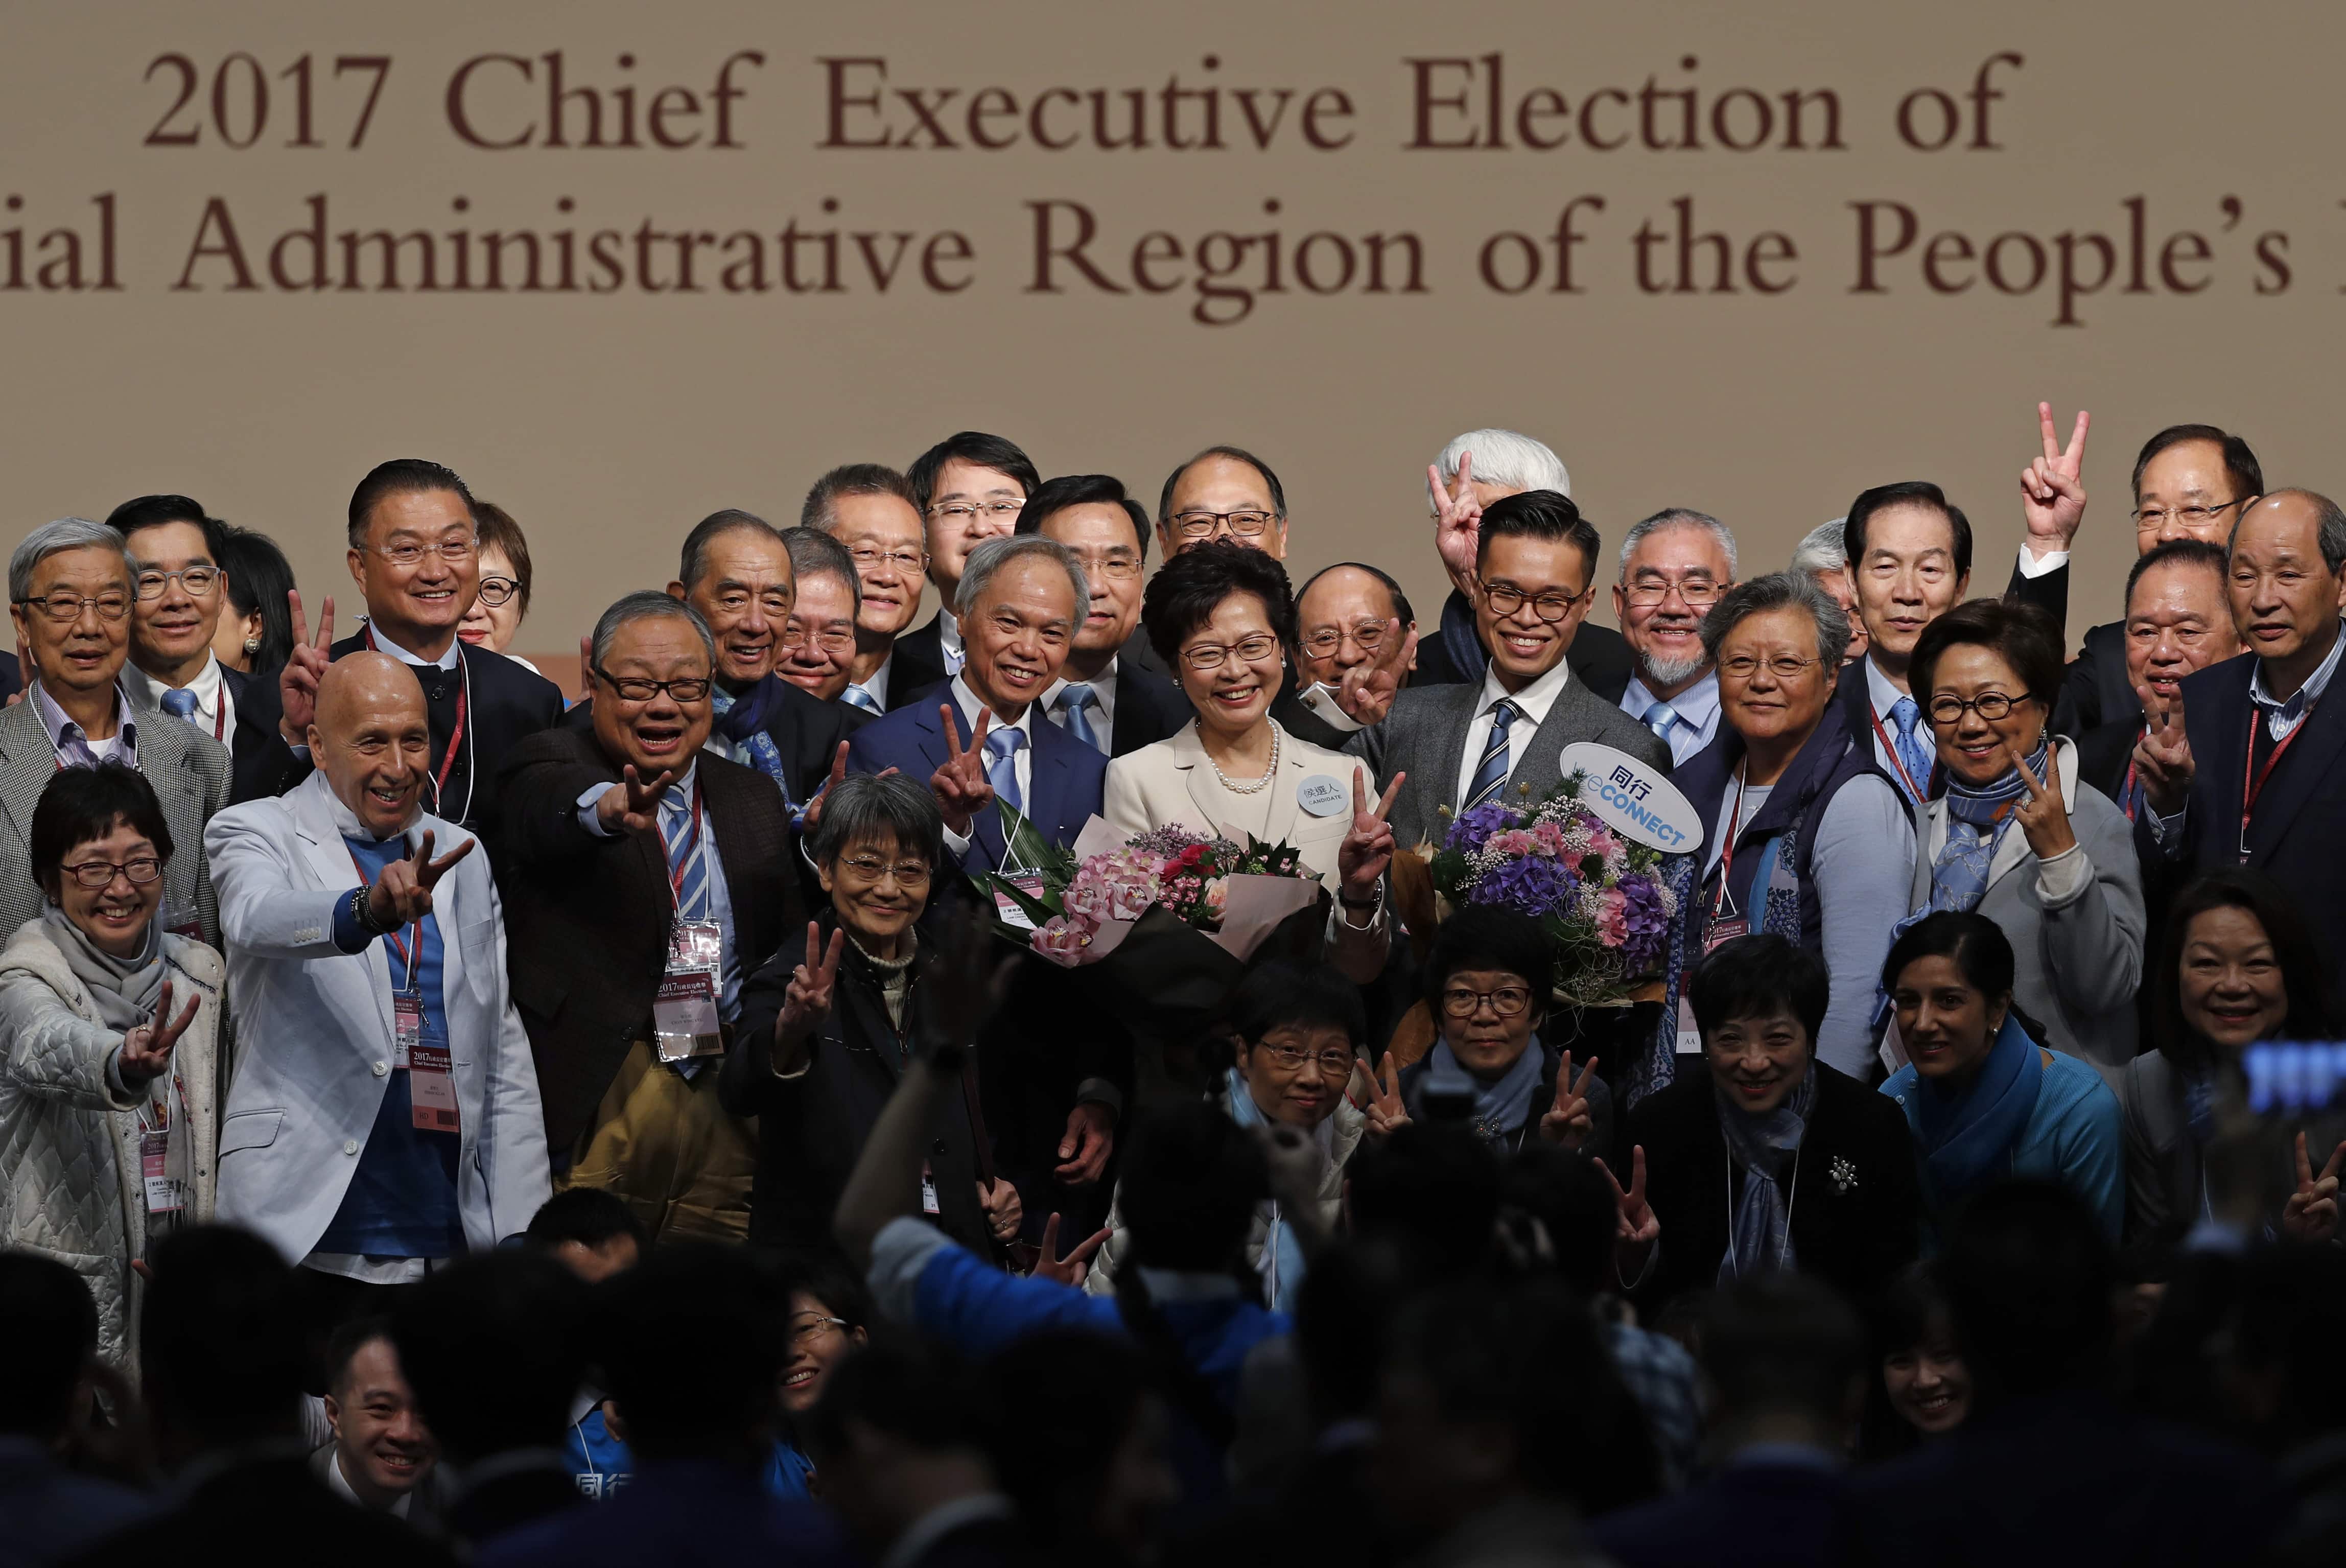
(1890, 750)
(406, 955)
(2252, 778)
(1726, 848)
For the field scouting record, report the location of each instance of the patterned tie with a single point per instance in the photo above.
(1906, 713)
(1661, 719)
(1491, 772)
(1074, 698)
(181, 703)
(1002, 772)
(856, 697)
(687, 869)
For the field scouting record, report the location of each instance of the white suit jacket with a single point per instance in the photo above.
(314, 1028)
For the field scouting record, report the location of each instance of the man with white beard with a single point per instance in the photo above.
(1674, 566)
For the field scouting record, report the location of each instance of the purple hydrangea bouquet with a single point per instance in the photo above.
(1603, 898)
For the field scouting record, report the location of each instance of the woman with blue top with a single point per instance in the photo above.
(1986, 1102)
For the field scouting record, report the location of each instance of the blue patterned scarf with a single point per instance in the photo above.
(1767, 1148)
(1977, 818)
(1501, 1107)
(742, 719)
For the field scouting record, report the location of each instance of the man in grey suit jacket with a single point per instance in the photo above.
(70, 594)
(1535, 564)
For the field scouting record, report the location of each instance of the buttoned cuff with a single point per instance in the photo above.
(2167, 831)
(2034, 566)
(590, 815)
(1322, 703)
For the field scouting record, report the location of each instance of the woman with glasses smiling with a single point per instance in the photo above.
(2018, 837)
(108, 1098)
(828, 1026)
(502, 601)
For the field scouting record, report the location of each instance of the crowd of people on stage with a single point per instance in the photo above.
(445, 1114)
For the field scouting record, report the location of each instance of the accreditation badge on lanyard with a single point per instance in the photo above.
(165, 1160)
(430, 1065)
(685, 1022)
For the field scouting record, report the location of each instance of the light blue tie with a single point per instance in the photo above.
(1074, 700)
(1491, 772)
(1002, 772)
(181, 703)
(856, 697)
(1906, 713)
(1661, 719)
(688, 870)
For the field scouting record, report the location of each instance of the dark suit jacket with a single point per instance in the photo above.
(587, 918)
(1855, 696)
(811, 1127)
(506, 703)
(1148, 707)
(1855, 1205)
(1758, 1515)
(2103, 754)
(1599, 656)
(2049, 593)
(1065, 775)
(916, 663)
(273, 1511)
(12, 677)
(2298, 835)
(2095, 690)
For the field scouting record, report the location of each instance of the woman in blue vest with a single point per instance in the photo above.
(1803, 837)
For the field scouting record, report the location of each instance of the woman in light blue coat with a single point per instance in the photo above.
(1984, 1102)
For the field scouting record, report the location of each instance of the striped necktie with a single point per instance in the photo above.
(1491, 772)
(687, 869)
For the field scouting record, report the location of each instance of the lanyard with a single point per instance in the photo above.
(1915, 791)
(2127, 789)
(455, 737)
(1727, 849)
(700, 849)
(2252, 778)
(164, 1120)
(407, 955)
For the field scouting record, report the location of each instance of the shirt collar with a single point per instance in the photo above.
(206, 686)
(1694, 705)
(966, 701)
(878, 685)
(1879, 688)
(54, 720)
(1106, 677)
(1533, 700)
(445, 661)
(2307, 694)
(948, 631)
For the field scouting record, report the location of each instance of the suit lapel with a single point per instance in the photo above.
(1189, 756)
(1046, 779)
(2311, 764)
(1540, 767)
(329, 862)
(1448, 756)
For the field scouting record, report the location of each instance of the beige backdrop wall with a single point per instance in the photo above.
(608, 420)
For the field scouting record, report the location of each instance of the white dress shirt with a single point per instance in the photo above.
(447, 660)
(949, 641)
(1103, 715)
(1022, 762)
(215, 712)
(876, 688)
(1697, 708)
(1534, 701)
(76, 750)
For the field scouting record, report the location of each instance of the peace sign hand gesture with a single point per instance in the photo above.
(1568, 1121)
(2051, 495)
(297, 683)
(632, 806)
(2163, 755)
(1457, 518)
(146, 1053)
(403, 892)
(2312, 1213)
(1368, 849)
(1071, 1269)
(1635, 1233)
(2043, 816)
(1366, 692)
(1387, 1115)
(960, 786)
(808, 1000)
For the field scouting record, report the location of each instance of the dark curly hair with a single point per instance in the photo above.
(1188, 588)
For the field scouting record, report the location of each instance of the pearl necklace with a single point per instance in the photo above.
(1259, 784)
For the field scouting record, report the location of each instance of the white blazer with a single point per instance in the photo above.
(314, 1029)
(1170, 784)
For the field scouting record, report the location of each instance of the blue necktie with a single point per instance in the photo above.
(1491, 772)
(181, 703)
(856, 697)
(687, 869)
(1661, 719)
(1912, 755)
(1074, 700)
(1002, 772)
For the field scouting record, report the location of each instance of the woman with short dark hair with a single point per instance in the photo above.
(256, 635)
(108, 1023)
(2019, 836)
(502, 602)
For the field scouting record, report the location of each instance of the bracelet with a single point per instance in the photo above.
(362, 911)
(1360, 904)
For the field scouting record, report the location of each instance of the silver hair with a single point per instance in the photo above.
(2329, 529)
(1821, 549)
(996, 554)
(1780, 591)
(1677, 517)
(1506, 458)
(647, 605)
(55, 539)
(862, 807)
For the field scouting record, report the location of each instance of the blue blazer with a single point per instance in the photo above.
(1065, 775)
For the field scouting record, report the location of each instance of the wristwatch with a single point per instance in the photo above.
(362, 911)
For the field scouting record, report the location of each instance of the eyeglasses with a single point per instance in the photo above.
(834, 639)
(1947, 709)
(1121, 567)
(1368, 637)
(64, 608)
(100, 874)
(456, 552)
(1783, 667)
(1506, 601)
(2152, 518)
(633, 689)
(1507, 1001)
(493, 592)
(1246, 524)
(869, 868)
(1697, 594)
(806, 1329)
(967, 512)
(198, 580)
(1251, 650)
(869, 559)
(1334, 1064)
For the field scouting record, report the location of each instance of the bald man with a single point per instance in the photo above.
(384, 1117)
